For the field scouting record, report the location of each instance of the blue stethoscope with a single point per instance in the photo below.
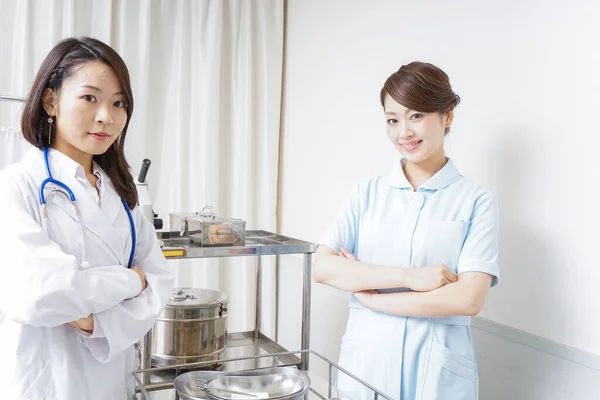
(68, 193)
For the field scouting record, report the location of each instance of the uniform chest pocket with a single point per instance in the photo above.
(442, 242)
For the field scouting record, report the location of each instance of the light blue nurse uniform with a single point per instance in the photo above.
(448, 220)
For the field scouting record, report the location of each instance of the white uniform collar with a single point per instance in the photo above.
(444, 177)
(65, 166)
(62, 167)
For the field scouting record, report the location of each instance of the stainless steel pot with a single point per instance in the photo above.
(191, 328)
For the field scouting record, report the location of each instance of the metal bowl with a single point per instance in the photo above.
(265, 384)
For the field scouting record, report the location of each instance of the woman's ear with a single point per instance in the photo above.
(50, 102)
(448, 119)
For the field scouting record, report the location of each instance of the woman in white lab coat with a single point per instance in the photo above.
(418, 249)
(70, 309)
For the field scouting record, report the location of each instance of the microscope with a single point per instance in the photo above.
(144, 200)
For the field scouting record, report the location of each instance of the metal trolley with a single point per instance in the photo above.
(252, 349)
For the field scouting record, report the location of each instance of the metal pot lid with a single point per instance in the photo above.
(198, 298)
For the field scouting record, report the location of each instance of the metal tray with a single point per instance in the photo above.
(280, 383)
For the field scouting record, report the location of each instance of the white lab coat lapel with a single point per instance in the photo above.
(96, 220)
(114, 213)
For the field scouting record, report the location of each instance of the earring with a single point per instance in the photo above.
(49, 130)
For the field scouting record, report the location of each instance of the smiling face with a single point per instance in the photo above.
(418, 136)
(89, 111)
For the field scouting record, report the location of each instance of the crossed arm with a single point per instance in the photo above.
(437, 291)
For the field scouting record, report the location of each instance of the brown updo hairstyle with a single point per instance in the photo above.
(421, 87)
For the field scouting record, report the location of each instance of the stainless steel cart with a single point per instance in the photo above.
(252, 349)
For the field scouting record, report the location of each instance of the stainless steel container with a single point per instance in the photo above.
(278, 383)
(206, 228)
(191, 328)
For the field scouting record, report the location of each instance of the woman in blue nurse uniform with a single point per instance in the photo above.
(70, 308)
(418, 250)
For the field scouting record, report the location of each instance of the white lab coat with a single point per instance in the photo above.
(44, 286)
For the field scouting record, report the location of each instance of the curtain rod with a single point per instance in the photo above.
(12, 98)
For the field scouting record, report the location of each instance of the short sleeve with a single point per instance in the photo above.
(480, 248)
(343, 232)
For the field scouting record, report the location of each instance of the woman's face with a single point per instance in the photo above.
(89, 110)
(418, 136)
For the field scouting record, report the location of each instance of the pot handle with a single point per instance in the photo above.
(180, 295)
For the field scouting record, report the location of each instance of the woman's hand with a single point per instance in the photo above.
(429, 278)
(142, 276)
(346, 254)
(85, 324)
(365, 297)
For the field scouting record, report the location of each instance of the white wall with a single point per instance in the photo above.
(529, 76)
(512, 370)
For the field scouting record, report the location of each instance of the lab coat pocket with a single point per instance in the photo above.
(350, 359)
(449, 376)
(350, 342)
(42, 387)
(443, 242)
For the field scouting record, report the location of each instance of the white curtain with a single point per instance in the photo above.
(206, 76)
(12, 146)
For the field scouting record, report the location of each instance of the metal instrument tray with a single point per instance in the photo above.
(263, 384)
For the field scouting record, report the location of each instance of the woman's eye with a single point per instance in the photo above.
(89, 97)
(416, 116)
(120, 104)
(391, 121)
